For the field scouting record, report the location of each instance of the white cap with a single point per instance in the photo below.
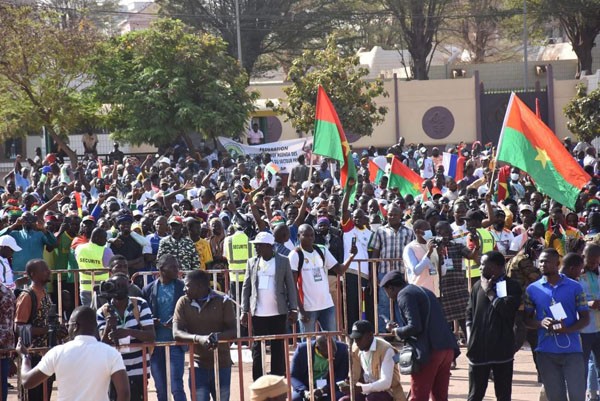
(7, 240)
(165, 160)
(264, 237)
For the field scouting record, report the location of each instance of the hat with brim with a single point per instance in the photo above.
(264, 238)
(7, 240)
(268, 386)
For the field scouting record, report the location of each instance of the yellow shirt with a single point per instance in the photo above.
(203, 249)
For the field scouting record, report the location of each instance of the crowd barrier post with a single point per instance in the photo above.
(217, 371)
(288, 373)
(241, 370)
(145, 372)
(311, 376)
(168, 369)
(192, 374)
(331, 356)
(344, 309)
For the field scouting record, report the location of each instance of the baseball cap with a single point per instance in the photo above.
(175, 220)
(525, 206)
(395, 277)
(7, 240)
(263, 237)
(360, 328)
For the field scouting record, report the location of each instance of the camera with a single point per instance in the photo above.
(438, 240)
(107, 289)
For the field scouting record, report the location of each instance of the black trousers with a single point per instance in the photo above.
(37, 393)
(268, 325)
(354, 303)
(479, 376)
(136, 388)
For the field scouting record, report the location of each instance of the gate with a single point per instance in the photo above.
(493, 108)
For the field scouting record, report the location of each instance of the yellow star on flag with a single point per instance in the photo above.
(345, 147)
(542, 156)
(417, 186)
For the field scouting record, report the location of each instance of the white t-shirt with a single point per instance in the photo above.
(503, 240)
(6, 273)
(254, 137)
(362, 245)
(266, 300)
(427, 171)
(315, 284)
(84, 357)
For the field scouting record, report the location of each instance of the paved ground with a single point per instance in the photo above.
(525, 386)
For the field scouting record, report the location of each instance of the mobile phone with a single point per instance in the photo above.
(343, 385)
(353, 241)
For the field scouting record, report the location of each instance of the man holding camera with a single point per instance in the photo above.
(556, 306)
(126, 320)
(203, 317)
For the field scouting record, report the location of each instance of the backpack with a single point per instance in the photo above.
(29, 290)
(300, 253)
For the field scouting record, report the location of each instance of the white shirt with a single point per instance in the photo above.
(503, 240)
(266, 299)
(315, 284)
(384, 382)
(254, 137)
(362, 245)
(83, 358)
(6, 273)
(427, 171)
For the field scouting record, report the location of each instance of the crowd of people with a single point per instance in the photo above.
(456, 266)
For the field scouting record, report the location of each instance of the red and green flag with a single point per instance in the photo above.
(377, 169)
(503, 179)
(403, 178)
(330, 140)
(527, 143)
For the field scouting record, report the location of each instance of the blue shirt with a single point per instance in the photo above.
(32, 245)
(166, 307)
(540, 295)
(591, 288)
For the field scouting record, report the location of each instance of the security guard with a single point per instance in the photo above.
(238, 250)
(91, 256)
(486, 240)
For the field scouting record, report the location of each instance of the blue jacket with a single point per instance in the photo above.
(150, 294)
(299, 370)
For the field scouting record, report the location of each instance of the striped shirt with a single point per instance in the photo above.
(132, 357)
(390, 244)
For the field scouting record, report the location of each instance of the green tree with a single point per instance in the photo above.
(42, 69)
(166, 82)
(580, 20)
(344, 82)
(583, 112)
(266, 26)
(419, 22)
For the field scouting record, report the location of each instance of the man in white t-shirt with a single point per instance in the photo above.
(310, 274)
(8, 246)
(83, 357)
(255, 136)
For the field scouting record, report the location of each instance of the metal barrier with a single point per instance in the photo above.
(331, 336)
(341, 312)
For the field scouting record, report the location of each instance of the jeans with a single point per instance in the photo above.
(205, 384)
(85, 297)
(158, 367)
(590, 343)
(562, 374)
(383, 306)
(592, 377)
(325, 317)
(136, 389)
(4, 367)
(480, 374)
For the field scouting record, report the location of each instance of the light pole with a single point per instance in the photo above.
(239, 34)
(525, 37)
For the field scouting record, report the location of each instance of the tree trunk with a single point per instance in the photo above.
(63, 145)
(190, 144)
(584, 56)
(420, 68)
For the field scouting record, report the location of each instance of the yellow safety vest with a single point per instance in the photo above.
(89, 256)
(487, 244)
(238, 250)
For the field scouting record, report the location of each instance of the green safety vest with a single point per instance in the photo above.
(238, 251)
(89, 257)
(487, 244)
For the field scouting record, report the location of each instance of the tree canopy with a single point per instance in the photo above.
(43, 66)
(343, 80)
(165, 82)
(583, 112)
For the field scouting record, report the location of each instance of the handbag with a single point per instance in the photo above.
(408, 359)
